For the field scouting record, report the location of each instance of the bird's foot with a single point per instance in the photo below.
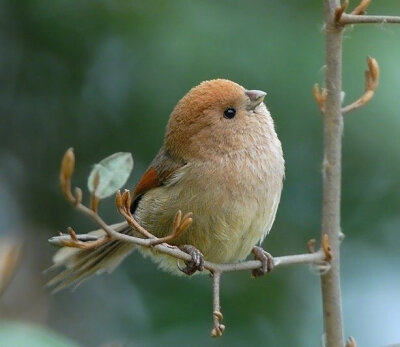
(197, 262)
(266, 259)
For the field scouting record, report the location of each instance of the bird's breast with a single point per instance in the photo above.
(233, 199)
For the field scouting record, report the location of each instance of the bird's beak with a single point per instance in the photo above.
(256, 98)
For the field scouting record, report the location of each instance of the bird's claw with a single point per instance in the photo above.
(197, 262)
(266, 259)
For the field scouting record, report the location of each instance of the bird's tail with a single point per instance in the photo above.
(80, 264)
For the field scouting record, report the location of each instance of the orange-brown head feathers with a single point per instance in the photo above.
(215, 118)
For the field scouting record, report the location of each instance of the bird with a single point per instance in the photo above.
(222, 160)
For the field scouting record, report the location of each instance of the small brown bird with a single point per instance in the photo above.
(222, 160)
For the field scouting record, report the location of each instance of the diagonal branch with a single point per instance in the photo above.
(362, 6)
(179, 225)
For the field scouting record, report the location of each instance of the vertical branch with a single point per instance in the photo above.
(218, 328)
(333, 130)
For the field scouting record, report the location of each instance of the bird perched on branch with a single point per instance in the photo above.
(222, 161)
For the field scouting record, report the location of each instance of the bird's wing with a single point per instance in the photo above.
(161, 168)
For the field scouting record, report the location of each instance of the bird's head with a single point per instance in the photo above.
(215, 118)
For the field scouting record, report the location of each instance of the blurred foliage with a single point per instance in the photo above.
(102, 76)
(19, 334)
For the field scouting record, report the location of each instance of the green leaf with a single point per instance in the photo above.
(112, 173)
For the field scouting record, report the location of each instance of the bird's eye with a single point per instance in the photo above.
(229, 113)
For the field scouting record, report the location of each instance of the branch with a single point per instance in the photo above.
(219, 328)
(347, 19)
(362, 6)
(66, 240)
(333, 131)
(358, 16)
(180, 225)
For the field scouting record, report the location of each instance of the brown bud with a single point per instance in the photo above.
(340, 10)
(319, 96)
(67, 166)
(72, 233)
(126, 199)
(326, 247)
(372, 73)
(118, 199)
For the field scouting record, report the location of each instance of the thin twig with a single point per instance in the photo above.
(218, 328)
(306, 258)
(123, 203)
(361, 7)
(179, 225)
(74, 242)
(347, 19)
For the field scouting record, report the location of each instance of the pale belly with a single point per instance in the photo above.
(230, 216)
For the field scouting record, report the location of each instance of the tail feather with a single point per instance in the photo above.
(81, 264)
(78, 274)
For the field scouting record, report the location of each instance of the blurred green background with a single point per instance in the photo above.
(103, 76)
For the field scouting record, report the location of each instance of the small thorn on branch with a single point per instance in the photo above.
(371, 84)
